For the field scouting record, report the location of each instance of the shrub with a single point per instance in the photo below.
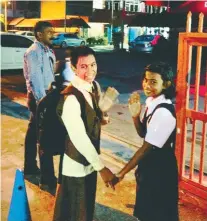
(99, 41)
(91, 40)
(105, 41)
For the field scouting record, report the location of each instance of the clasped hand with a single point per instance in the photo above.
(109, 178)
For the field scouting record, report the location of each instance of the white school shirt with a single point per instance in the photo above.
(68, 74)
(162, 122)
(73, 122)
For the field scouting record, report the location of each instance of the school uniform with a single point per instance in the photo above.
(81, 117)
(157, 174)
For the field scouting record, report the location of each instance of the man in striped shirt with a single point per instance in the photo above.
(39, 62)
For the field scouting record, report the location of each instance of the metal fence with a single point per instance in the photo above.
(191, 109)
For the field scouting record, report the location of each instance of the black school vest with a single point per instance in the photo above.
(147, 119)
(156, 154)
(91, 118)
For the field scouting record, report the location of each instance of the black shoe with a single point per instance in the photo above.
(48, 188)
(32, 179)
(33, 176)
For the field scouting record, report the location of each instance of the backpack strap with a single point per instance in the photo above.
(169, 107)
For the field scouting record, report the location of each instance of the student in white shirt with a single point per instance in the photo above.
(157, 174)
(81, 162)
(68, 74)
(64, 72)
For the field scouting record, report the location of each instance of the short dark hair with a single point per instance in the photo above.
(79, 52)
(40, 26)
(165, 70)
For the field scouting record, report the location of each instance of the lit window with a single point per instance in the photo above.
(116, 6)
(127, 7)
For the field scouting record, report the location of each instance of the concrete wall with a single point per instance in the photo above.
(96, 30)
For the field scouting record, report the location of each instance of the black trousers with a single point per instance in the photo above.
(30, 163)
(47, 175)
(76, 199)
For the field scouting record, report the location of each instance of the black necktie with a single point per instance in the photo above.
(93, 97)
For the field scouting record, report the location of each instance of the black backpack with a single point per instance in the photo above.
(51, 132)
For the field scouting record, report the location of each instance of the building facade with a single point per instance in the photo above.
(136, 6)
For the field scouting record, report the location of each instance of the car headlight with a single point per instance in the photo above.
(147, 45)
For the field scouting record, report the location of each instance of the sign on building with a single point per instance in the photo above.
(2, 18)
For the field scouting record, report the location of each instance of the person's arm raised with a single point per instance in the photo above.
(135, 110)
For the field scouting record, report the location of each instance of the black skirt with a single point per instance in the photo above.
(76, 199)
(157, 187)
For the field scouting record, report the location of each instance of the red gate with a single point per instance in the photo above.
(191, 108)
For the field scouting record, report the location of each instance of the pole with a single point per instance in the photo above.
(122, 25)
(5, 15)
(168, 6)
(112, 16)
(12, 6)
(65, 21)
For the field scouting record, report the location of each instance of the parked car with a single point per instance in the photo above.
(66, 39)
(13, 48)
(143, 43)
(28, 34)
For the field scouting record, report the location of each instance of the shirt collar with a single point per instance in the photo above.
(67, 59)
(151, 102)
(45, 48)
(81, 84)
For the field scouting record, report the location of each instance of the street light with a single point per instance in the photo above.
(65, 20)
